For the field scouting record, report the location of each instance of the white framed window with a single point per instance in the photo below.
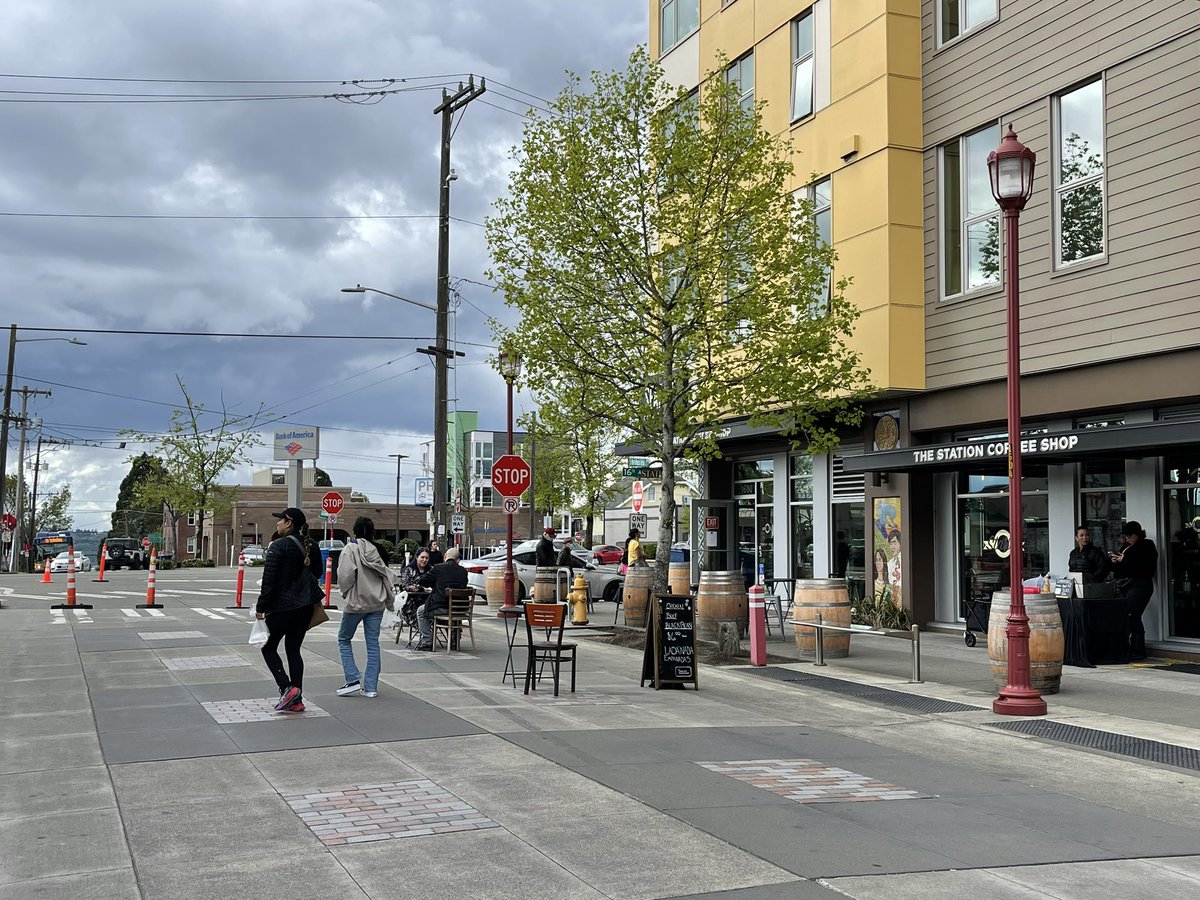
(957, 17)
(483, 453)
(482, 496)
(191, 518)
(741, 74)
(820, 195)
(1079, 174)
(677, 19)
(970, 226)
(650, 494)
(803, 65)
(191, 545)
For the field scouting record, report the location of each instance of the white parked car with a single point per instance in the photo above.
(82, 563)
(253, 554)
(603, 581)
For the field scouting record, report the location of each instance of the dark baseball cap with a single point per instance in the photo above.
(294, 515)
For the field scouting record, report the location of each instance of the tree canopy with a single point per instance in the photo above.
(665, 275)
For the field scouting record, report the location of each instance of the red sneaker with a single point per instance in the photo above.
(288, 697)
(295, 706)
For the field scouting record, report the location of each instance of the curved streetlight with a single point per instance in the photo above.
(6, 411)
(440, 353)
(1010, 171)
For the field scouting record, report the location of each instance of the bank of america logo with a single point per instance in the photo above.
(293, 448)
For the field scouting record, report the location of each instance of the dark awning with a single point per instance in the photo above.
(1056, 448)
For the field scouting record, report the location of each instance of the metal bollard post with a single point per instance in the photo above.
(916, 655)
(820, 642)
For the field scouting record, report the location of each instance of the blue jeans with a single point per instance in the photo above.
(370, 622)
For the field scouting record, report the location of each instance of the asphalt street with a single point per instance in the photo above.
(140, 758)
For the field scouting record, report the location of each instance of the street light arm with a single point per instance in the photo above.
(360, 289)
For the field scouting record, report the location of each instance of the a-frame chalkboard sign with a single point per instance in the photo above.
(670, 654)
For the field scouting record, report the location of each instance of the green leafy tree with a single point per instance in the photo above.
(130, 518)
(51, 507)
(193, 456)
(321, 478)
(664, 274)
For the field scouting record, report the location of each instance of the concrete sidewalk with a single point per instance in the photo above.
(139, 758)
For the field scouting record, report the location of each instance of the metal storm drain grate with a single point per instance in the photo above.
(1121, 744)
(868, 692)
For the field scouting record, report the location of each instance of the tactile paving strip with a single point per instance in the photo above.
(169, 635)
(810, 781)
(184, 663)
(236, 712)
(380, 812)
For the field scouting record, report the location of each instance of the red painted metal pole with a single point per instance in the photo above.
(510, 578)
(1018, 697)
(328, 578)
(758, 626)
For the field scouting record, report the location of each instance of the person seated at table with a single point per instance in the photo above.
(439, 579)
(411, 575)
(1087, 558)
(1138, 564)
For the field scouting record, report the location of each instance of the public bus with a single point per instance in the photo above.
(48, 544)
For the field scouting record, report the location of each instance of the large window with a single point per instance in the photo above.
(741, 74)
(1079, 174)
(754, 490)
(678, 19)
(800, 501)
(802, 66)
(483, 496)
(483, 459)
(957, 17)
(821, 197)
(970, 217)
(1181, 543)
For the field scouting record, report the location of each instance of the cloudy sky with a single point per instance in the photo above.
(247, 215)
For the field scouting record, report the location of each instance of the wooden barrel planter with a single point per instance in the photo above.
(721, 597)
(639, 582)
(829, 598)
(494, 585)
(1045, 640)
(543, 585)
(679, 578)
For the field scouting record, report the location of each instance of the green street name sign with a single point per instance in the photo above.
(642, 472)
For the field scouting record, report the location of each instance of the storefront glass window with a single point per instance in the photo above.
(984, 563)
(753, 489)
(1181, 544)
(800, 492)
(1102, 502)
(848, 547)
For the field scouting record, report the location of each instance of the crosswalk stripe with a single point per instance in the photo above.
(131, 613)
(81, 613)
(156, 612)
(232, 613)
(205, 612)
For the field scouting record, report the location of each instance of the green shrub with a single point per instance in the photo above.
(197, 564)
(164, 564)
(880, 612)
(649, 550)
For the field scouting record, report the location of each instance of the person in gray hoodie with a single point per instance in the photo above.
(366, 585)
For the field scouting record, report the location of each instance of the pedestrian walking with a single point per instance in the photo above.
(366, 585)
(290, 586)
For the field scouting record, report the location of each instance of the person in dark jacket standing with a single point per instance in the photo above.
(436, 556)
(286, 600)
(1139, 563)
(544, 553)
(440, 578)
(1087, 558)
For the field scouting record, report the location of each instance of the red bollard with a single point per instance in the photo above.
(70, 604)
(329, 582)
(241, 581)
(758, 626)
(150, 604)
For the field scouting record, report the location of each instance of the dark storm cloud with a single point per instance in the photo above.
(298, 157)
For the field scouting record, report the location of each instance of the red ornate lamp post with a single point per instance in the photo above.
(509, 365)
(1010, 168)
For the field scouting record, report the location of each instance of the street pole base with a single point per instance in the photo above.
(72, 606)
(101, 580)
(149, 606)
(1019, 702)
(235, 606)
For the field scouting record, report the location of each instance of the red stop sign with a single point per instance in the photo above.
(332, 503)
(637, 496)
(511, 476)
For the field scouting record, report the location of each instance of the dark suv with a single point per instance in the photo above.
(125, 552)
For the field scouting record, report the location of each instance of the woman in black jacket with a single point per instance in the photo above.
(1138, 563)
(286, 602)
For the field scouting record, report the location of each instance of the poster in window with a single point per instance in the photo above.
(886, 562)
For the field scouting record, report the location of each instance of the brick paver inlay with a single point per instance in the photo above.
(169, 635)
(184, 663)
(235, 712)
(363, 813)
(810, 781)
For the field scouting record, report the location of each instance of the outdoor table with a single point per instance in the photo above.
(1074, 622)
(513, 614)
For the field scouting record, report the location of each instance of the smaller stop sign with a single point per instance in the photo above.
(637, 496)
(332, 503)
(145, 542)
(511, 476)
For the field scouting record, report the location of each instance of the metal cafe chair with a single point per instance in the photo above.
(458, 616)
(551, 617)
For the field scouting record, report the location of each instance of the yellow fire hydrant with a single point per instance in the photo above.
(578, 598)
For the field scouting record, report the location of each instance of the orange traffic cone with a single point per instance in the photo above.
(46, 579)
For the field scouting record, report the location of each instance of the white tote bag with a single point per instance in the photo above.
(258, 633)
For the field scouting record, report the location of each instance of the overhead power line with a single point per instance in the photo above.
(232, 217)
(449, 76)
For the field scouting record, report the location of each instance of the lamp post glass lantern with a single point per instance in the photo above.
(1010, 171)
(509, 365)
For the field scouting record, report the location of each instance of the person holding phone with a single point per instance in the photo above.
(1137, 564)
